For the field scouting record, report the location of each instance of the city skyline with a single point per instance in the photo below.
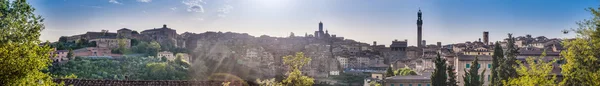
(364, 21)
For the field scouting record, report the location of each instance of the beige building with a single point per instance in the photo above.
(464, 62)
(61, 55)
(111, 42)
(94, 51)
(167, 54)
(170, 56)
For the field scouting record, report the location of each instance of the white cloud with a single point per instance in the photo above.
(194, 5)
(145, 1)
(174, 8)
(114, 2)
(223, 11)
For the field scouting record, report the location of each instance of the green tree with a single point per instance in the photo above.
(506, 69)
(163, 59)
(153, 48)
(451, 76)
(70, 54)
(373, 83)
(21, 58)
(471, 77)
(496, 59)
(537, 72)
(123, 48)
(389, 72)
(295, 77)
(404, 72)
(439, 77)
(581, 54)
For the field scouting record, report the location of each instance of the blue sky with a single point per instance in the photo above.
(446, 21)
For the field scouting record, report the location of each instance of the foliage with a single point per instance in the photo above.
(451, 76)
(350, 78)
(143, 47)
(70, 54)
(581, 54)
(404, 71)
(389, 72)
(295, 77)
(268, 82)
(471, 77)
(63, 44)
(496, 59)
(21, 58)
(374, 83)
(439, 77)
(538, 73)
(153, 48)
(506, 68)
(134, 68)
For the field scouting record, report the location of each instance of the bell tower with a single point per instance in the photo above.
(419, 29)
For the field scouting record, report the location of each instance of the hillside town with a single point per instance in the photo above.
(331, 55)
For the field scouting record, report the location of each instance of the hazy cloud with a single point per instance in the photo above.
(145, 1)
(114, 2)
(223, 11)
(174, 8)
(194, 5)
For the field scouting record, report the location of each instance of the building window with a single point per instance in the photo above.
(419, 85)
(391, 84)
(468, 65)
(489, 65)
(428, 85)
(478, 65)
(409, 84)
(401, 84)
(488, 77)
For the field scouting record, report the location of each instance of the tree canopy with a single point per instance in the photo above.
(22, 59)
(581, 55)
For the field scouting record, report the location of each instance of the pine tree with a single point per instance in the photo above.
(506, 68)
(471, 77)
(496, 59)
(439, 77)
(581, 55)
(451, 76)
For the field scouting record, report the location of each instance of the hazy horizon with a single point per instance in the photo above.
(364, 21)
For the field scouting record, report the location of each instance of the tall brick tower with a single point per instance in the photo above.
(419, 29)
(486, 39)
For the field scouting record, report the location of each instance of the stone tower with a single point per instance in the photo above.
(486, 39)
(321, 29)
(419, 29)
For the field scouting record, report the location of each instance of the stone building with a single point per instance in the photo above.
(164, 35)
(463, 62)
(94, 52)
(61, 55)
(111, 43)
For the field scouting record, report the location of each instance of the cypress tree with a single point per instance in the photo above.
(451, 76)
(506, 68)
(389, 72)
(471, 77)
(439, 77)
(496, 59)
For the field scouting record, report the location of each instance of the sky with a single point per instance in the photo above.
(446, 21)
